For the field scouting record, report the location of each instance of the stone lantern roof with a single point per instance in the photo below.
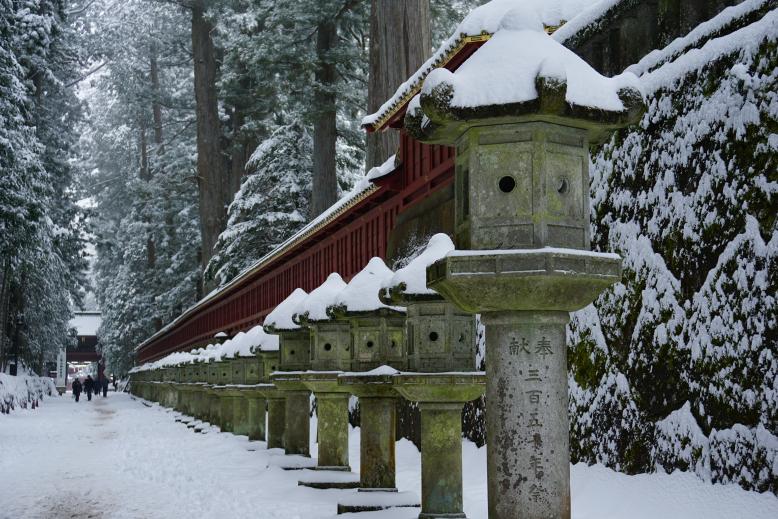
(409, 283)
(314, 307)
(360, 296)
(522, 74)
(280, 319)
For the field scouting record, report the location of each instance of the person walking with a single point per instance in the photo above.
(105, 387)
(115, 384)
(76, 389)
(89, 386)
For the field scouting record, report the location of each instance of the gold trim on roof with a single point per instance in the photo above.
(441, 62)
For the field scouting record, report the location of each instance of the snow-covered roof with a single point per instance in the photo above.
(522, 71)
(361, 293)
(314, 306)
(482, 21)
(364, 188)
(504, 70)
(244, 344)
(281, 316)
(86, 323)
(412, 278)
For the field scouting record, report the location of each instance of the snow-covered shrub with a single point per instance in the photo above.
(744, 456)
(675, 367)
(679, 443)
(23, 391)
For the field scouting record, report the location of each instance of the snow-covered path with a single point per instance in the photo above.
(117, 458)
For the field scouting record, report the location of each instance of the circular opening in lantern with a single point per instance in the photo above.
(433, 336)
(369, 344)
(328, 347)
(507, 184)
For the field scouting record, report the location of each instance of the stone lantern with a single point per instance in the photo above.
(240, 410)
(522, 213)
(330, 356)
(198, 387)
(249, 413)
(294, 347)
(378, 339)
(441, 341)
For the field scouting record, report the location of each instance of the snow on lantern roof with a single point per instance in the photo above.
(314, 307)
(361, 293)
(411, 280)
(280, 318)
(522, 71)
(477, 27)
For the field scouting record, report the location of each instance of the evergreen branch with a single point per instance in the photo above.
(79, 80)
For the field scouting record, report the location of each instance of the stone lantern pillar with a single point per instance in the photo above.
(295, 357)
(198, 389)
(212, 395)
(276, 405)
(522, 216)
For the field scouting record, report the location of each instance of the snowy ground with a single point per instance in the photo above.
(117, 458)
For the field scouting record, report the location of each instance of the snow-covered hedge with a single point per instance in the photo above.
(23, 391)
(675, 367)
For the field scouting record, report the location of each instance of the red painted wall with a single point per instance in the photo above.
(343, 246)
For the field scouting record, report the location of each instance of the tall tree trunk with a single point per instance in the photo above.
(156, 106)
(400, 43)
(325, 180)
(145, 171)
(211, 165)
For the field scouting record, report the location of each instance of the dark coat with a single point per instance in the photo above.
(76, 387)
(89, 385)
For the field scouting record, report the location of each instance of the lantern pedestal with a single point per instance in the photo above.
(524, 298)
(332, 431)
(441, 397)
(377, 401)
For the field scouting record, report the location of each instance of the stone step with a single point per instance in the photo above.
(368, 500)
(325, 479)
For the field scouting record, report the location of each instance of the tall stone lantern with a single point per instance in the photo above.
(330, 355)
(378, 340)
(441, 346)
(294, 344)
(522, 112)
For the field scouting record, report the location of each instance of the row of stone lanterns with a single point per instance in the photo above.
(358, 338)
(522, 131)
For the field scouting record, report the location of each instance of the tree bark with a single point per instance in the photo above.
(211, 164)
(145, 171)
(156, 107)
(400, 43)
(324, 191)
